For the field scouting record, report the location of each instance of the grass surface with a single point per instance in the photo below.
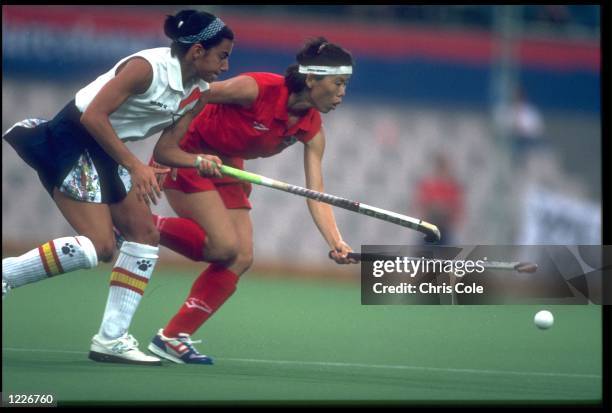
(280, 340)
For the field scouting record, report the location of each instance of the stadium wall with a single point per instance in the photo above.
(399, 63)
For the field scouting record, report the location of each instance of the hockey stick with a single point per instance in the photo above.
(518, 266)
(432, 233)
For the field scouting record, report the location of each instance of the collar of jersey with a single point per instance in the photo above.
(175, 77)
(280, 111)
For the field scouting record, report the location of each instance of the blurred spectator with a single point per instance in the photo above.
(387, 133)
(525, 126)
(440, 200)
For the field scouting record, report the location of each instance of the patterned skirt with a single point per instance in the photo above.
(67, 157)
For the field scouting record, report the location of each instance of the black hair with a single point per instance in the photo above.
(190, 22)
(316, 52)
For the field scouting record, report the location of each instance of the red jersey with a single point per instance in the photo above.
(259, 131)
(441, 196)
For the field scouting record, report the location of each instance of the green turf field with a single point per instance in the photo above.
(300, 340)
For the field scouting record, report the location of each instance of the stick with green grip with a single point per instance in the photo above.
(431, 232)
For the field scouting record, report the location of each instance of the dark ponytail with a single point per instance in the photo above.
(191, 22)
(316, 52)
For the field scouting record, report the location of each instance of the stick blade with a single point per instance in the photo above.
(432, 233)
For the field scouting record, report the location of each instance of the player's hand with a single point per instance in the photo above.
(144, 182)
(339, 253)
(208, 165)
(160, 176)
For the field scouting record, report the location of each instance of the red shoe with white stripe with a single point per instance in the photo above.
(178, 350)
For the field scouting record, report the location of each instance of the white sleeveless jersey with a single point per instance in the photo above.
(141, 116)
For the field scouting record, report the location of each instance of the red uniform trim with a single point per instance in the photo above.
(57, 261)
(180, 349)
(43, 258)
(195, 95)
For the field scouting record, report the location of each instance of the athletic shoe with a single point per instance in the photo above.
(178, 350)
(120, 350)
(5, 288)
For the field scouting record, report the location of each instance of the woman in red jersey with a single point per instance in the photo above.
(252, 115)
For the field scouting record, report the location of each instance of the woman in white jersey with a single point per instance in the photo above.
(96, 182)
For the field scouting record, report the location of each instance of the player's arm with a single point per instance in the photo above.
(322, 214)
(168, 152)
(133, 78)
(239, 90)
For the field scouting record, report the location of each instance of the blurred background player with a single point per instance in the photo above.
(439, 199)
(97, 182)
(526, 127)
(256, 115)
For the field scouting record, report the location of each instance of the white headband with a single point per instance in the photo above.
(326, 70)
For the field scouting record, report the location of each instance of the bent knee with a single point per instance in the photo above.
(222, 250)
(144, 234)
(225, 253)
(244, 260)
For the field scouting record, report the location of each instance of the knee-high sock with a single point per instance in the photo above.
(209, 291)
(55, 257)
(181, 235)
(129, 278)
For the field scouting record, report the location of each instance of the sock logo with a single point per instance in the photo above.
(68, 249)
(144, 265)
(193, 302)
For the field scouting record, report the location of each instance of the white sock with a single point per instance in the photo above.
(55, 257)
(129, 278)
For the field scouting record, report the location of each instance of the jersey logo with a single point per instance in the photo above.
(193, 302)
(161, 105)
(260, 126)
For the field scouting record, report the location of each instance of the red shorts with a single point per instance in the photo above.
(234, 193)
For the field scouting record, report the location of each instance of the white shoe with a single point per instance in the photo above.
(120, 350)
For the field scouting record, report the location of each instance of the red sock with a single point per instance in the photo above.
(209, 291)
(181, 235)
